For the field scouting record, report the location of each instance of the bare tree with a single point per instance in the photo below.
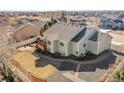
(6, 49)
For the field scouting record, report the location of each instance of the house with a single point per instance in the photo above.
(71, 39)
(112, 22)
(29, 30)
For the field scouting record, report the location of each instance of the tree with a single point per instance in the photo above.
(46, 26)
(64, 17)
(6, 50)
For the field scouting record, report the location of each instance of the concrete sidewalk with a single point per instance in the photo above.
(72, 77)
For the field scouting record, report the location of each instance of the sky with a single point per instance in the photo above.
(52, 5)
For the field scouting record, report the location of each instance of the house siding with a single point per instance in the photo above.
(75, 48)
(84, 40)
(50, 47)
(79, 48)
(55, 46)
(26, 32)
(105, 42)
(63, 49)
(92, 46)
(82, 49)
(69, 51)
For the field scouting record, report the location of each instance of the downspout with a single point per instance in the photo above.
(98, 48)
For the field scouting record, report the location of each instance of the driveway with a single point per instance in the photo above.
(88, 72)
(102, 62)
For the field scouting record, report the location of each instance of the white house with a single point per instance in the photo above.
(68, 38)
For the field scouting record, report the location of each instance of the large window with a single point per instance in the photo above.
(61, 43)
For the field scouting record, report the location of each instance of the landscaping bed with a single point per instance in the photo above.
(89, 56)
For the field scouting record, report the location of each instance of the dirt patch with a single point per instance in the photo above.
(118, 32)
(26, 61)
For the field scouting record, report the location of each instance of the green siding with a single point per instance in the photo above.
(92, 46)
(55, 46)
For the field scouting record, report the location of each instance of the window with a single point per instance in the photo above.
(49, 42)
(61, 43)
(84, 45)
(76, 52)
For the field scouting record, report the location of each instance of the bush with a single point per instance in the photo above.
(10, 79)
(57, 55)
(47, 53)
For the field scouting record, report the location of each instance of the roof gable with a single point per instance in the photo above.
(79, 35)
(94, 37)
(37, 24)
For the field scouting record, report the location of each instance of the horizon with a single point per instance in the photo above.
(4, 11)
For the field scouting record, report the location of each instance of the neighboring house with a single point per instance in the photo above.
(112, 22)
(29, 30)
(70, 39)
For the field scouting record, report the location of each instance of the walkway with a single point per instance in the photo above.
(101, 57)
(68, 64)
(72, 77)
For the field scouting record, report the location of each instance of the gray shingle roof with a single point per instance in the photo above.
(63, 31)
(40, 24)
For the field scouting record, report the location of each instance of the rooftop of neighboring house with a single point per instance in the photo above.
(63, 31)
(39, 24)
(114, 17)
(110, 16)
